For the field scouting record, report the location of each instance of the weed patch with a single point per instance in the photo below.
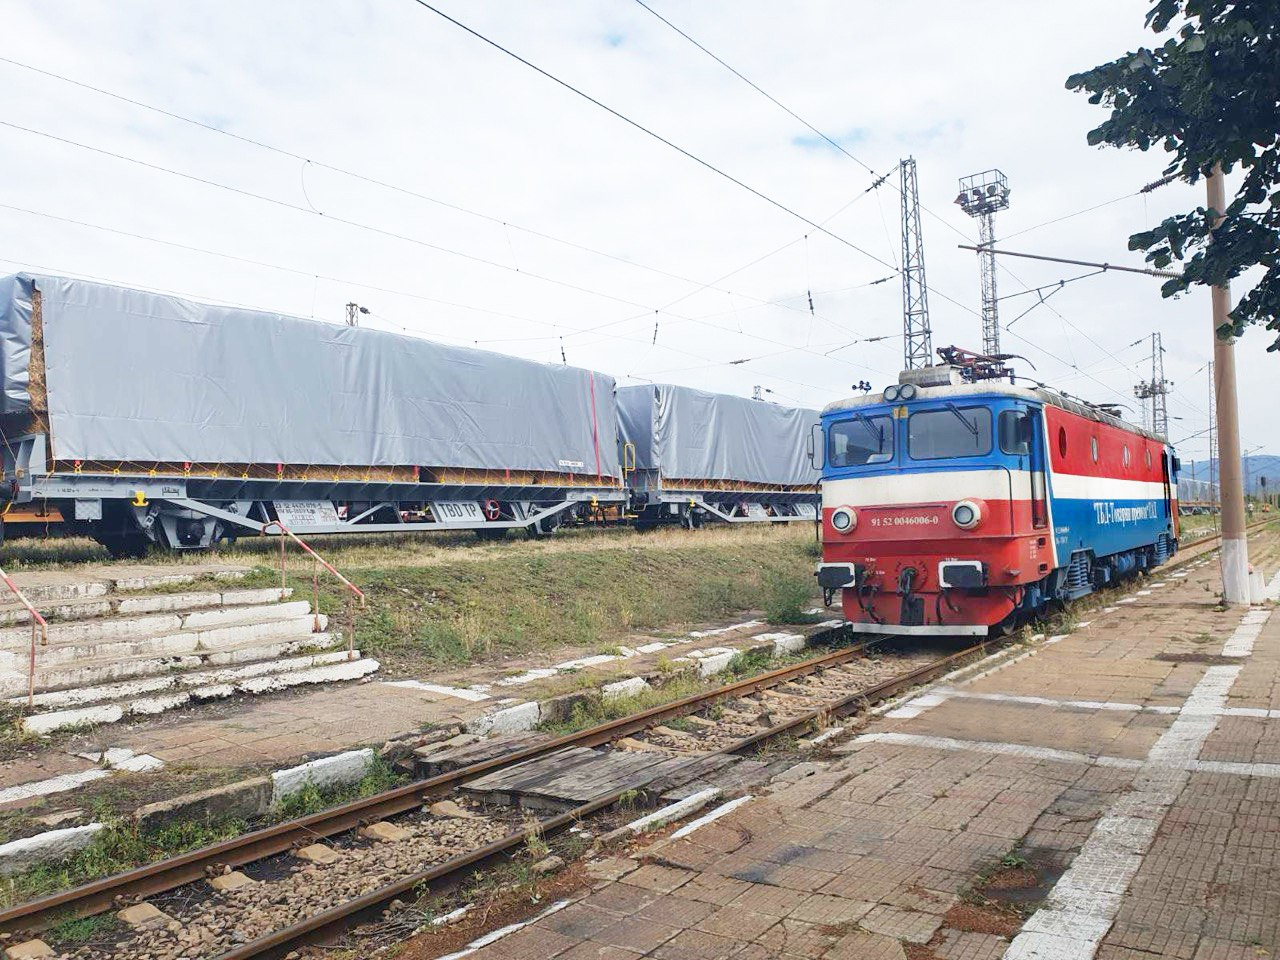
(595, 710)
(789, 598)
(311, 799)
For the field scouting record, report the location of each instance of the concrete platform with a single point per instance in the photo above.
(1134, 764)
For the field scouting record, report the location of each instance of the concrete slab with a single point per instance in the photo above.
(339, 770)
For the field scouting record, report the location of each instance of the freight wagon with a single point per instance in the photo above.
(690, 456)
(145, 419)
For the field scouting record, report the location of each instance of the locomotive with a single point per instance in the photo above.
(957, 506)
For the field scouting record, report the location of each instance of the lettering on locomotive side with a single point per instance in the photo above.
(913, 520)
(1106, 512)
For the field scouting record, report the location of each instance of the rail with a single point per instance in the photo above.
(317, 561)
(36, 621)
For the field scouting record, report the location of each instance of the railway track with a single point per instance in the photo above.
(727, 721)
(748, 714)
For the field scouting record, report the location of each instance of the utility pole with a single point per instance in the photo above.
(1214, 494)
(981, 196)
(917, 340)
(1235, 544)
(1157, 391)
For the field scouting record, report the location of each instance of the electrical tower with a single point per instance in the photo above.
(981, 197)
(917, 340)
(1156, 390)
(353, 314)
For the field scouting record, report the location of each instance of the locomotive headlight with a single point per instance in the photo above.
(843, 520)
(891, 393)
(966, 514)
(907, 391)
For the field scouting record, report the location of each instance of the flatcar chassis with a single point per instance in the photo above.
(128, 510)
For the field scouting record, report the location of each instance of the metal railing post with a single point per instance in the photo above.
(315, 595)
(36, 620)
(353, 592)
(351, 632)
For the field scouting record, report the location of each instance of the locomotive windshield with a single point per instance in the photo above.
(863, 440)
(950, 432)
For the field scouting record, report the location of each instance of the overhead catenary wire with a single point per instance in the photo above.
(285, 204)
(506, 225)
(310, 208)
(383, 232)
(764, 93)
(707, 164)
(335, 279)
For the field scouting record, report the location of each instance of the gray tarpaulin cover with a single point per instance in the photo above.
(135, 376)
(693, 435)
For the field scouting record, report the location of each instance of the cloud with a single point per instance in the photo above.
(853, 138)
(398, 95)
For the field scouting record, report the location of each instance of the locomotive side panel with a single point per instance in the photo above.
(1111, 489)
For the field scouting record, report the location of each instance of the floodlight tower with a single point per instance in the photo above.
(981, 196)
(917, 341)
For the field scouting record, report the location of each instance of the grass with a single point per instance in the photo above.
(594, 710)
(312, 799)
(122, 846)
(118, 847)
(593, 592)
(789, 599)
(450, 600)
(1197, 527)
(75, 930)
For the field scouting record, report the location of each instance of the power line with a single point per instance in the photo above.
(699, 287)
(764, 93)
(1069, 216)
(651, 133)
(311, 211)
(375, 181)
(333, 279)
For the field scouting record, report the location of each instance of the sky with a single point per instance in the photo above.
(491, 206)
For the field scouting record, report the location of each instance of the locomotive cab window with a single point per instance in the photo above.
(950, 432)
(1014, 427)
(863, 440)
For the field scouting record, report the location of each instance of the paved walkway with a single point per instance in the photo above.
(1134, 764)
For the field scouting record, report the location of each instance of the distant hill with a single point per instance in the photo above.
(1256, 467)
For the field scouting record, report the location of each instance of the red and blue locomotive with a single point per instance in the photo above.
(959, 507)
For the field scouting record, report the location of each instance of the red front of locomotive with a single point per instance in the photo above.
(934, 516)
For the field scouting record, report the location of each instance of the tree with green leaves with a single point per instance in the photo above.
(1209, 94)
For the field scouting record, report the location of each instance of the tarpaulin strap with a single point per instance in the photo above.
(595, 427)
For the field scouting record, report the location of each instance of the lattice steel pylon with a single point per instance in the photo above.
(1157, 390)
(917, 339)
(981, 196)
